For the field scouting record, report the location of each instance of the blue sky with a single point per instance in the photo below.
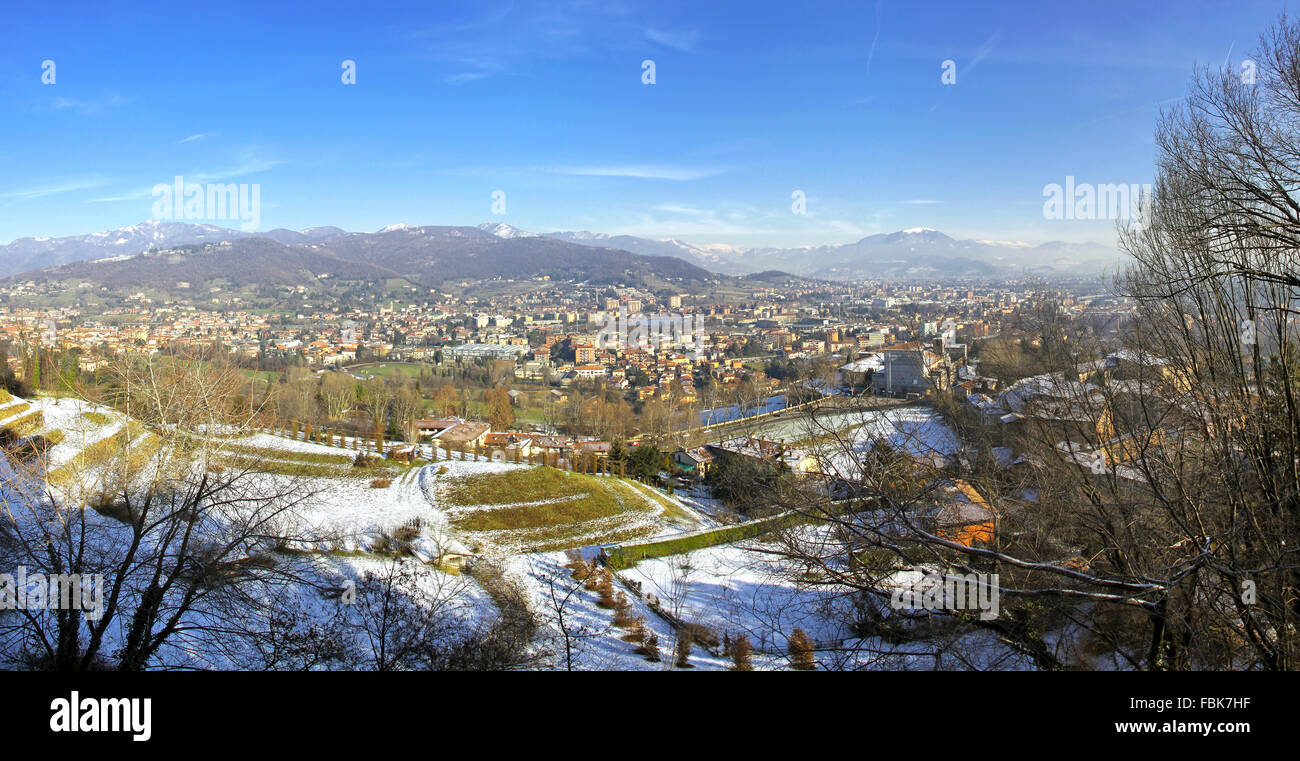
(545, 101)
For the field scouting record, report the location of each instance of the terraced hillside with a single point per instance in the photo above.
(510, 509)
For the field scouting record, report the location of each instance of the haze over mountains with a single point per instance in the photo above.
(428, 256)
(914, 253)
(433, 254)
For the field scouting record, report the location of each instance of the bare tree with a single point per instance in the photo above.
(172, 523)
(1148, 513)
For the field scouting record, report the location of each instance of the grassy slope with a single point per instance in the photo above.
(569, 502)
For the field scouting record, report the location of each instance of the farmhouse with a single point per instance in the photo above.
(693, 462)
(466, 434)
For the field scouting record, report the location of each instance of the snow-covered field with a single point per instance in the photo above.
(594, 642)
(80, 431)
(461, 605)
(743, 589)
(730, 590)
(919, 430)
(283, 444)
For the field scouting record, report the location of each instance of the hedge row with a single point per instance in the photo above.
(627, 555)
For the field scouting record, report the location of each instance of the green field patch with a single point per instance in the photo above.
(512, 486)
(291, 467)
(26, 423)
(14, 409)
(629, 555)
(98, 418)
(542, 508)
(672, 510)
(96, 454)
(552, 538)
(310, 458)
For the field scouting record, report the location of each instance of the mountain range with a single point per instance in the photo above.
(915, 253)
(198, 257)
(433, 254)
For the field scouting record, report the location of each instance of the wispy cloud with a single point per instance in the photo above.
(68, 186)
(198, 136)
(474, 71)
(246, 163)
(643, 171)
(509, 38)
(690, 211)
(685, 40)
(871, 54)
(984, 51)
(88, 106)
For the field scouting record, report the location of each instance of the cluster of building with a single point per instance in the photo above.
(896, 338)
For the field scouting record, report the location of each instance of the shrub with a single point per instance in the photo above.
(637, 633)
(702, 634)
(801, 651)
(683, 649)
(623, 617)
(578, 568)
(606, 590)
(380, 483)
(409, 531)
(651, 648)
(111, 507)
(741, 654)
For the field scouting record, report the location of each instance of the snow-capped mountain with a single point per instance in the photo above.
(714, 257)
(27, 254)
(502, 230)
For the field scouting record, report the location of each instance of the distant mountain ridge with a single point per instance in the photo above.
(916, 252)
(426, 256)
(913, 253)
(27, 254)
